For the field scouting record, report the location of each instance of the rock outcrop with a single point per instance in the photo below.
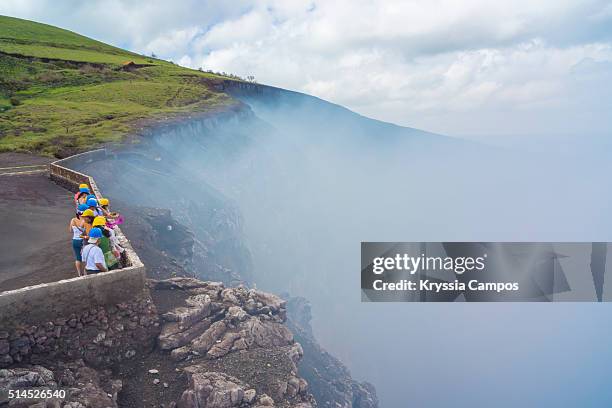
(218, 390)
(219, 320)
(235, 346)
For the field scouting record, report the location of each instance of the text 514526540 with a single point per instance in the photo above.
(36, 393)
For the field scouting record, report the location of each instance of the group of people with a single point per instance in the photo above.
(96, 247)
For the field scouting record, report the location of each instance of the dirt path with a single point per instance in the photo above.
(35, 245)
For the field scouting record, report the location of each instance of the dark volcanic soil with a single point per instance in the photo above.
(139, 389)
(166, 300)
(34, 217)
(21, 159)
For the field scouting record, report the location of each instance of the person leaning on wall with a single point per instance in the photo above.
(110, 256)
(92, 254)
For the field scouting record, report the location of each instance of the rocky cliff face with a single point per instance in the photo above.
(330, 381)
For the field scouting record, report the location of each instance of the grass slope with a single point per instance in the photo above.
(61, 92)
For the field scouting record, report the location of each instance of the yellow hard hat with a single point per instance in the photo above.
(103, 201)
(88, 213)
(99, 220)
(83, 186)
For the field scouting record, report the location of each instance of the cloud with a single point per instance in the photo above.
(455, 67)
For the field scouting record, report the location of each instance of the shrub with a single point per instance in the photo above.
(15, 101)
(50, 76)
(89, 69)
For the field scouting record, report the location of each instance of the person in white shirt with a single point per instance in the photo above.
(92, 255)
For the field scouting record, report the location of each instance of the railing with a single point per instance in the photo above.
(44, 302)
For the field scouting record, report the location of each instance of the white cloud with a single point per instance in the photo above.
(173, 42)
(244, 29)
(456, 67)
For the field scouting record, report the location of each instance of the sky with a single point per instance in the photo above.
(461, 68)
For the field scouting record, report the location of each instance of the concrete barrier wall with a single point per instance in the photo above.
(45, 302)
(49, 301)
(71, 179)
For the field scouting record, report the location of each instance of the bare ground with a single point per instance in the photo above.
(35, 245)
(139, 389)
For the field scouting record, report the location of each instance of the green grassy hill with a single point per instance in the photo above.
(61, 92)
